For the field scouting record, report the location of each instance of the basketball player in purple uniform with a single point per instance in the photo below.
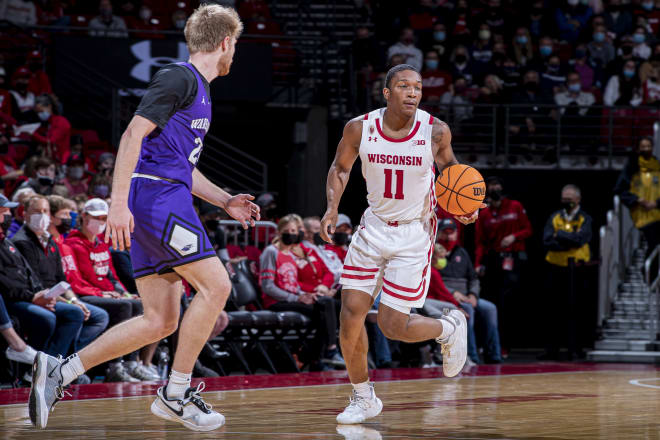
(152, 214)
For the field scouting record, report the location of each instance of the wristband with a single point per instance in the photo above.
(69, 301)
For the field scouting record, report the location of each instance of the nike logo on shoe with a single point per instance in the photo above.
(178, 412)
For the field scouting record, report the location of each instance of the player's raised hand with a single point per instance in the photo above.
(242, 209)
(119, 226)
(467, 219)
(328, 223)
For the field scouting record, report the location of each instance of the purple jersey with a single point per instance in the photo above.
(172, 152)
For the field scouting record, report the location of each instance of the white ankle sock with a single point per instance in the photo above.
(71, 369)
(448, 329)
(178, 384)
(363, 389)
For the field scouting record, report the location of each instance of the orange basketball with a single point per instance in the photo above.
(460, 189)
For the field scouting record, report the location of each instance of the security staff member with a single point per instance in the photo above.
(639, 188)
(566, 236)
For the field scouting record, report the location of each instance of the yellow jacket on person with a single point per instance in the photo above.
(567, 237)
(640, 179)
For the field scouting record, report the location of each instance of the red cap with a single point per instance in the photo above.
(21, 72)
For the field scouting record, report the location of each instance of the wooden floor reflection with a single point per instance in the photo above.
(567, 405)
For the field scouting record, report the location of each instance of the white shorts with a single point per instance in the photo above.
(393, 260)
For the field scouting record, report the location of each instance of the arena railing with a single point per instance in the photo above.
(564, 136)
(261, 234)
(653, 283)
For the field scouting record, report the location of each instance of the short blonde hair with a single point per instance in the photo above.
(209, 25)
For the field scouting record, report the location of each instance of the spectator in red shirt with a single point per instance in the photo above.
(39, 82)
(500, 235)
(55, 132)
(99, 284)
(342, 237)
(434, 80)
(283, 291)
(76, 180)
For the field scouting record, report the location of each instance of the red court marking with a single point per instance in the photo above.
(119, 390)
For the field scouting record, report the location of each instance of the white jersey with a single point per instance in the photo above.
(399, 173)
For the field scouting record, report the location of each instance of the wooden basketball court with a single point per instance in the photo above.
(549, 401)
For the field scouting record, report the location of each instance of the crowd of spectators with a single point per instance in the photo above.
(577, 54)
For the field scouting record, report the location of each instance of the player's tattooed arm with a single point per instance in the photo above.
(340, 170)
(442, 150)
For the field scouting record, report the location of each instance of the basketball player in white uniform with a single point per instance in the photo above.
(391, 251)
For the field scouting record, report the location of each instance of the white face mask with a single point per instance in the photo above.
(95, 227)
(39, 222)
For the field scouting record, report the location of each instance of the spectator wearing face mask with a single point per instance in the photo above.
(639, 188)
(456, 104)
(22, 99)
(43, 179)
(342, 237)
(482, 50)
(100, 186)
(531, 120)
(624, 89)
(54, 135)
(39, 81)
(571, 17)
(523, 50)
(406, 47)
(282, 289)
(435, 80)
(145, 21)
(500, 251)
(651, 12)
(51, 326)
(566, 235)
(179, 18)
(640, 50)
(540, 20)
(576, 112)
(42, 254)
(106, 24)
(601, 51)
(553, 78)
(75, 181)
(461, 66)
(439, 42)
(106, 164)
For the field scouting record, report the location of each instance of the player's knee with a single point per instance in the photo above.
(216, 294)
(353, 307)
(392, 328)
(160, 327)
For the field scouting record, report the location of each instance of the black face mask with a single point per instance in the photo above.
(318, 240)
(45, 181)
(460, 59)
(271, 213)
(6, 223)
(646, 154)
(289, 239)
(567, 206)
(65, 226)
(211, 225)
(532, 86)
(340, 238)
(495, 195)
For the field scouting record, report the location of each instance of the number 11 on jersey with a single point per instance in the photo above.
(398, 195)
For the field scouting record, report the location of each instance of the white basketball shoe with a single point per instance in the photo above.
(191, 411)
(360, 408)
(454, 348)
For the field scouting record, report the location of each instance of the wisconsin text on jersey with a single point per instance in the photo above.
(200, 124)
(391, 159)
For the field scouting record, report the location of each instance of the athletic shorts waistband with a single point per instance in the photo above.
(152, 177)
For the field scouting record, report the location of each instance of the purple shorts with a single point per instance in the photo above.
(168, 232)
